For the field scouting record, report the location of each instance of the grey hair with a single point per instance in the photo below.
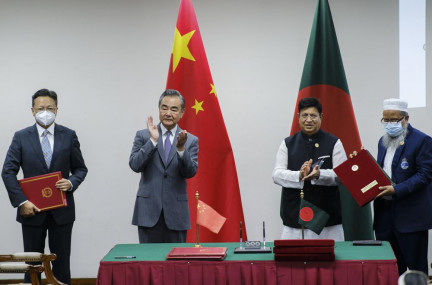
(173, 93)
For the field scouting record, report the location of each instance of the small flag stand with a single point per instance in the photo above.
(301, 197)
(197, 244)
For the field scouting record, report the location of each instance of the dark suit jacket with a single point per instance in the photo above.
(25, 152)
(162, 185)
(412, 174)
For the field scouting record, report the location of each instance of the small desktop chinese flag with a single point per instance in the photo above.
(209, 218)
(312, 217)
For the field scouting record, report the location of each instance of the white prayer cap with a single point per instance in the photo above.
(395, 104)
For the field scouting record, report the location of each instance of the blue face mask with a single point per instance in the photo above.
(393, 129)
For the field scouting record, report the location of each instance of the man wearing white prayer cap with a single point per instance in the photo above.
(403, 211)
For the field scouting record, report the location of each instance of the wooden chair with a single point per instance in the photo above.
(32, 270)
(8, 265)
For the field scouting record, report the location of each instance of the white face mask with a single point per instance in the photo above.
(45, 118)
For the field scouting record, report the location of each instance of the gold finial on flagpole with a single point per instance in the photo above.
(301, 197)
(197, 227)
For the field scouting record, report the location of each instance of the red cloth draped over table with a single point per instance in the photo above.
(353, 272)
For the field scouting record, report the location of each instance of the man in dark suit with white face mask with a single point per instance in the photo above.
(41, 149)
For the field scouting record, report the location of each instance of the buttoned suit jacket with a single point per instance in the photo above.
(412, 175)
(163, 184)
(25, 152)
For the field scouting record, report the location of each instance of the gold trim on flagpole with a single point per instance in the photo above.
(301, 197)
(197, 227)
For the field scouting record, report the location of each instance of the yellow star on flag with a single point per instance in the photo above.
(198, 106)
(180, 48)
(213, 90)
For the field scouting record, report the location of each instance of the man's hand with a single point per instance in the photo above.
(181, 140)
(386, 191)
(305, 169)
(315, 174)
(153, 129)
(28, 209)
(63, 185)
(355, 152)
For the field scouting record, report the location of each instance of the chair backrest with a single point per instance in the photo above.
(9, 263)
(14, 267)
(413, 277)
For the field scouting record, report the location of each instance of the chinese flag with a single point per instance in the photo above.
(216, 179)
(209, 218)
(324, 78)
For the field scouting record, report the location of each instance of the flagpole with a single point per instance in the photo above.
(197, 227)
(301, 197)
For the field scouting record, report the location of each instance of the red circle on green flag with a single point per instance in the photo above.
(306, 214)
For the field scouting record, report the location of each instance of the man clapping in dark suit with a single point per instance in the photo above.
(166, 156)
(41, 149)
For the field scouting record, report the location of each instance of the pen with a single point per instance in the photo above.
(241, 236)
(125, 257)
(264, 234)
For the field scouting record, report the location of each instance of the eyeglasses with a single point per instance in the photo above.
(392, 121)
(313, 117)
(50, 109)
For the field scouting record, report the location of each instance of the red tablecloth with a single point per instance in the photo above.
(343, 272)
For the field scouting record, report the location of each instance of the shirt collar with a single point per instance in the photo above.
(164, 130)
(41, 130)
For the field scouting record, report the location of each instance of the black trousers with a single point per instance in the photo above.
(410, 249)
(59, 242)
(160, 233)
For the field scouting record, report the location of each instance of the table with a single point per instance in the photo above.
(354, 265)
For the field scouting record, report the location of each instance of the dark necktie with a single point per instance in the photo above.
(167, 145)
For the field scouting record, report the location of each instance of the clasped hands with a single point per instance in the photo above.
(305, 171)
(387, 190)
(154, 134)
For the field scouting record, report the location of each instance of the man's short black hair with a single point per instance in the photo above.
(44, 92)
(310, 102)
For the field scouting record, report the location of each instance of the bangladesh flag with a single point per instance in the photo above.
(324, 78)
(312, 217)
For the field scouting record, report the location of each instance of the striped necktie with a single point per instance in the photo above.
(46, 148)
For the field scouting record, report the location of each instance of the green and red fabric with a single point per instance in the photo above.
(324, 78)
(312, 217)
(216, 179)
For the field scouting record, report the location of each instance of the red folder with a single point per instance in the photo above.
(362, 176)
(303, 249)
(206, 253)
(304, 242)
(305, 257)
(41, 191)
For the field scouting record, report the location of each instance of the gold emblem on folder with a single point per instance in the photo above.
(47, 192)
(317, 145)
(354, 167)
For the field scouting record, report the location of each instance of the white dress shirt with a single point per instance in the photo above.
(50, 135)
(291, 179)
(164, 134)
